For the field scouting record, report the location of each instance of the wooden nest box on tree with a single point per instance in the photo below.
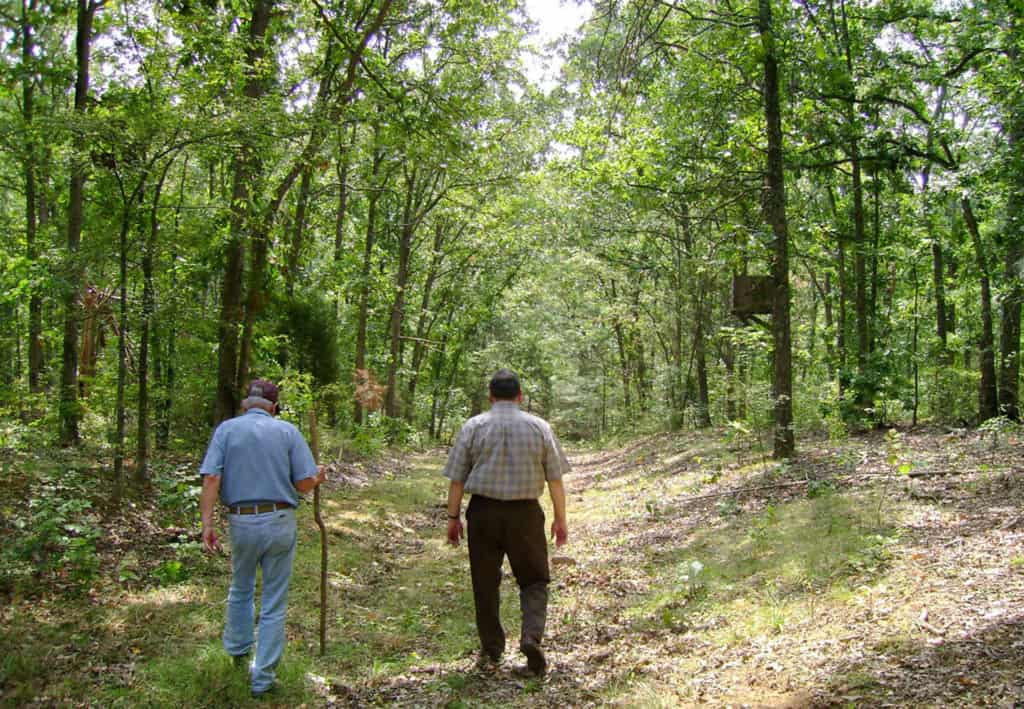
(752, 296)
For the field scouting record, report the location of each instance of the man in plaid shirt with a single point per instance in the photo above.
(503, 458)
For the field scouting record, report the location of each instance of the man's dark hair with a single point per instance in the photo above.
(504, 385)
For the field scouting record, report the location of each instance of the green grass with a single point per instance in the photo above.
(156, 641)
(400, 604)
(774, 563)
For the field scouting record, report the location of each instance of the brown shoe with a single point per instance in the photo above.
(536, 663)
(487, 661)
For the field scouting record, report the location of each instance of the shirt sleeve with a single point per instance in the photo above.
(460, 462)
(301, 458)
(556, 464)
(213, 462)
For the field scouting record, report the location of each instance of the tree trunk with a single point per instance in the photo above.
(122, 357)
(1013, 238)
(398, 311)
(35, 303)
(624, 359)
(424, 323)
(843, 285)
(728, 356)
(938, 267)
(166, 374)
(341, 213)
(775, 216)
(639, 352)
(866, 384)
(70, 412)
(700, 348)
(876, 228)
(865, 390)
(295, 253)
(364, 281)
(148, 307)
(988, 402)
(246, 167)
(676, 350)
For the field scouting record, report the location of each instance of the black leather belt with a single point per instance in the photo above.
(258, 508)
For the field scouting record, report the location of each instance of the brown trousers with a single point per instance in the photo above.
(496, 528)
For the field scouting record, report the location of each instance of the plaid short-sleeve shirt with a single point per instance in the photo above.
(506, 454)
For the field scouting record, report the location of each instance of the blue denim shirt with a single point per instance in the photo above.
(259, 459)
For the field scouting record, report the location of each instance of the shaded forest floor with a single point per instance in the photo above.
(882, 570)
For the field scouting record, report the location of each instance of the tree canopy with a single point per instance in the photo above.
(373, 203)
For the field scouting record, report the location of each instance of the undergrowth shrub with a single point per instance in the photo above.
(56, 534)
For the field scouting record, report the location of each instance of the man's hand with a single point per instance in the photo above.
(559, 532)
(307, 484)
(454, 531)
(207, 499)
(210, 541)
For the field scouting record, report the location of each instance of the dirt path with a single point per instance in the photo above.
(884, 570)
(698, 576)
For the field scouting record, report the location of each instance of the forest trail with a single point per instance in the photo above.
(875, 571)
(699, 576)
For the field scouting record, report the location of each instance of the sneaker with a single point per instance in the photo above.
(264, 693)
(536, 663)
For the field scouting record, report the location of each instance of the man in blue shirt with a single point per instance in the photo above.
(257, 465)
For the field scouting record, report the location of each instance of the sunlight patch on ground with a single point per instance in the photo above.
(167, 596)
(335, 516)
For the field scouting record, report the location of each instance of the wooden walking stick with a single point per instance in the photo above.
(314, 444)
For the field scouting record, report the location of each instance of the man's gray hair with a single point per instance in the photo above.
(257, 401)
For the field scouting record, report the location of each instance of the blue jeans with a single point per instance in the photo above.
(266, 540)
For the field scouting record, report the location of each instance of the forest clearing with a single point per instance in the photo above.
(881, 570)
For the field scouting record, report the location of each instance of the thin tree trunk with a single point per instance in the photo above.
(840, 341)
(423, 323)
(876, 228)
(866, 388)
(938, 267)
(775, 216)
(624, 364)
(398, 314)
(122, 355)
(988, 402)
(914, 347)
(254, 301)
(830, 345)
(639, 352)
(166, 376)
(729, 362)
(699, 344)
(145, 329)
(676, 361)
(364, 281)
(35, 303)
(298, 234)
(69, 408)
(341, 213)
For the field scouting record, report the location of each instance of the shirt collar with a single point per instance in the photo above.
(257, 410)
(505, 405)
